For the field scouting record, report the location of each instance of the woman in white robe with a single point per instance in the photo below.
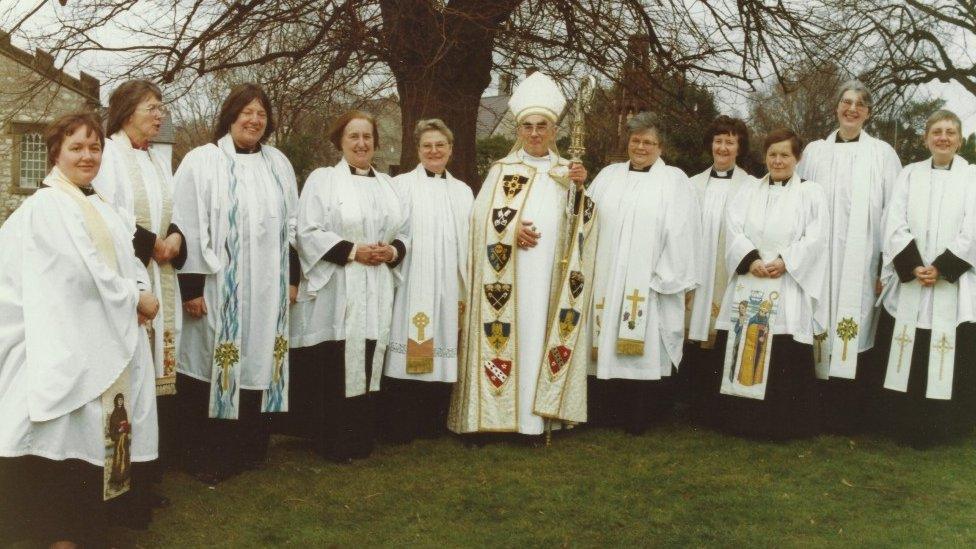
(234, 203)
(421, 360)
(646, 259)
(136, 178)
(727, 140)
(775, 256)
(927, 331)
(857, 172)
(351, 238)
(72, 298)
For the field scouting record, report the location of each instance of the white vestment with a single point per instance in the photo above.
(436, 268)
(351, 302)
(961, 240)
(654, 214)
(69, 330)
(782, 221)
(115, 184)
(835, 166)
(713, 194)
(200, 210)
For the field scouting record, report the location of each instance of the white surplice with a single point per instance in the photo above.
(961, 240)
(115, 185)
(713, 193)
(200, 210)
(656, 212)
(69, 330)
(791, 222)
(351, 302)
(833, 165)
(437, 265)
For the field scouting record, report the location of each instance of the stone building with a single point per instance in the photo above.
(32, 93)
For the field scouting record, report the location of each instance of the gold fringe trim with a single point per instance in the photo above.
(630, 347)
(166, 386)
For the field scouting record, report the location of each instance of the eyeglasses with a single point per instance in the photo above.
(155, 109)
(528, 128)
(438, 146)
(859, 105)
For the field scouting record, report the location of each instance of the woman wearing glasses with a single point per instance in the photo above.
(857, 172)
(137, 178)
(421, 361)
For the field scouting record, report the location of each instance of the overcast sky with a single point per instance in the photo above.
(957, 98)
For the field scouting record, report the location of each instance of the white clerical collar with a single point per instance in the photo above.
(716, 174)
(364, 173)
(532, 158)
(942, 167)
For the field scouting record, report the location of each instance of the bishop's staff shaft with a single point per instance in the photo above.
(577, 148)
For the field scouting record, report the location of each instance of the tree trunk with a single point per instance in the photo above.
(443, 66)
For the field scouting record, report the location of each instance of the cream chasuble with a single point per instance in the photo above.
(937, 210)
(647, 258)
(141, 183)
(776, 220)
(68, 262)
(858, 178)
(236, 213)
(351, 302)
(425, 329)
(713, 193)
(519, 357)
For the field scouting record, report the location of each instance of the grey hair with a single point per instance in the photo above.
(432, 125)
(939, 116)
(855, 85)
(645, 122)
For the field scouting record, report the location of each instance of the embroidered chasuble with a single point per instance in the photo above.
(933, 217)
(713, 192)
(236, 212)
(520, 359)
(647, 259)
(140, 182)
(425, 325)
(858, 178)
(766, 221)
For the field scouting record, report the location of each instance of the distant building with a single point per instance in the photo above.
(32, 93)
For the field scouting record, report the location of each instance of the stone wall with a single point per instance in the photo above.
(32, 93)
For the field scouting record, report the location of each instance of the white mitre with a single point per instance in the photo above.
(537, 94)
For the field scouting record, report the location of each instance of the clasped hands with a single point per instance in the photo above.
(374, 254)
(927, 276)
(167, 248)
(773, 269)
(147, 307)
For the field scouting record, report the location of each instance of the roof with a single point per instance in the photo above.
(491, 111)
(167, 132)
(43, 63)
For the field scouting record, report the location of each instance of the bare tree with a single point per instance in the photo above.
(440, 54)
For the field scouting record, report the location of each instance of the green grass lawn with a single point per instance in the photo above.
(672, 486)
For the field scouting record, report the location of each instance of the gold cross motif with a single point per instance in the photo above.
(818, 340)
(902, 340)
(634, 301)
(599, 307)
(943, 347)
(846, 331)
(420, 321)
(280, 350)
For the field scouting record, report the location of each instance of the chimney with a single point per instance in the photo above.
(43, 59)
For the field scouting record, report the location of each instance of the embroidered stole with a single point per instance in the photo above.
(566, 323)
(226, 374)
(424, 241)
(632, 325)
(941, 359)
(843, 361)
(165, 383)
(116, 429)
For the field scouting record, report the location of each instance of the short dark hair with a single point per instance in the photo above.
(124, 100)
(66, 125)
(238, 98)
(725, 125)
(784, 134)
(339, 126)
